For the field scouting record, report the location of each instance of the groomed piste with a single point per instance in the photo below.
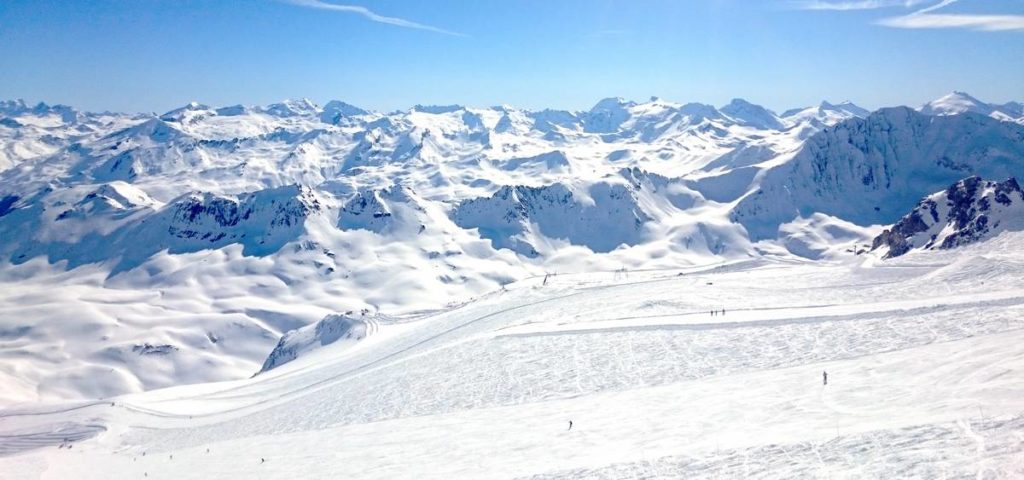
(922, 355)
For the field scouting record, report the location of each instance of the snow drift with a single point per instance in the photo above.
(333, 329)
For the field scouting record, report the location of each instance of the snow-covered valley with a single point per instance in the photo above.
(297, 290)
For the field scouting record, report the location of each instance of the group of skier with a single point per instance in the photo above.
(717, 312)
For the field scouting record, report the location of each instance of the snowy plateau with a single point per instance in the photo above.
(640, 290)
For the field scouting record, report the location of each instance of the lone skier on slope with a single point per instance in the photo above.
(570, 425)
(824, 377)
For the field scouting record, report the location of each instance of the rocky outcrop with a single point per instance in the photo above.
(518, 218)
(340, 329)
(262, 221)
(382, 210)
(968, 211)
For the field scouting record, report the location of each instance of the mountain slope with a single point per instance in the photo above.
(868, 170)
(919, 354)
(524, 218)
(956, 103)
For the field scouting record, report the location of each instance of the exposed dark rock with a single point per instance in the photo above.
(150, 349)
(968, 211)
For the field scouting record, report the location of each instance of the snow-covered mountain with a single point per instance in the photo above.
(868, 170)
(31, 132)
(205, 234)
(121, 223)
(601, 218)
(959, 102)
(752, 115)
(968, 211)
(824, 113)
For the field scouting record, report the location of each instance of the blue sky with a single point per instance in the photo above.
(150, 55)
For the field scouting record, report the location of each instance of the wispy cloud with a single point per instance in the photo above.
(371, 15)
(924, 18)
(935, 7)
(855, 4)
(987, 23)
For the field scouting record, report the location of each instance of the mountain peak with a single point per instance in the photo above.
(699, 110)
(607, 115)
(178, 113)
(612, 103)
(959, 96)
(156, 129)
(846, 107)
(12, 107)
(955, 103)
(335, 110)
(751, 115)
(437, 109)
(738, 102)
(292, 108)
(20, 107)
(958, 102)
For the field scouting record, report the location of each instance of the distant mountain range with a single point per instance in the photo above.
(234, 225)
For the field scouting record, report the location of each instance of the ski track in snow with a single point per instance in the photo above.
(911, 452)
(923, 383)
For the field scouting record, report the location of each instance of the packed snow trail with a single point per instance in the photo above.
(922, 382)
(743, 412)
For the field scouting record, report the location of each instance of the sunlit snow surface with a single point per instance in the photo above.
(924, 355)
(140, 252)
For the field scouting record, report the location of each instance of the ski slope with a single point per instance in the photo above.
(923, 354)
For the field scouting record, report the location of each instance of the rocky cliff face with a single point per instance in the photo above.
(263, 221)
(383, 210)
(968, 211)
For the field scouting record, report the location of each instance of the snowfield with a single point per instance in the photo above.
(640, 290)
(923, 356)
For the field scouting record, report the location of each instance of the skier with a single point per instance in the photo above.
(262, 460)
(570, 425)
(824, 378)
